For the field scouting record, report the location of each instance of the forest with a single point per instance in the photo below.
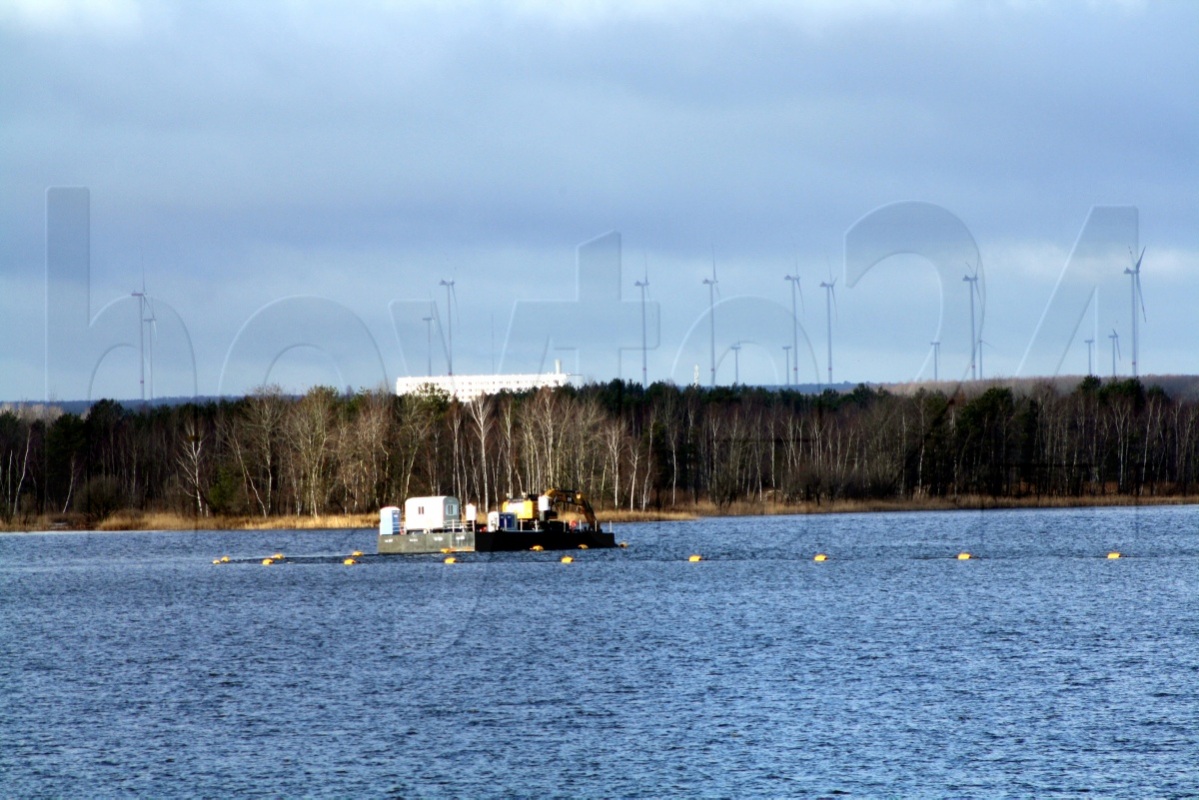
(658, 448)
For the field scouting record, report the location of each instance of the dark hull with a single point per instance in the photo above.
(494, 541)
(467, 541)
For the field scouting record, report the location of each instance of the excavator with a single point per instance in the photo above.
(535, 518)
(539, 512)
(577, 499)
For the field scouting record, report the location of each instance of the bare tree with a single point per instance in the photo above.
(309, 429)
(190, 461)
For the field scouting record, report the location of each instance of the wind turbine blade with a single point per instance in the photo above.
(802, 306)
(1140, 294)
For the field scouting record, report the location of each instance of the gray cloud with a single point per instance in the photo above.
(250, 153)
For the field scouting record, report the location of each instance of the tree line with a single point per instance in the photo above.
(661, 447)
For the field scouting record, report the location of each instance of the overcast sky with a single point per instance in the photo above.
(295, 180)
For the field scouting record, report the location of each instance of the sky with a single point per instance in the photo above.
(294, 186)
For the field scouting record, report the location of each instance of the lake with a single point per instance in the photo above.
(131, 665)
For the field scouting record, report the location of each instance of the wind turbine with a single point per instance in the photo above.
(981, 344)
(794, 281)
(152, 324)
(449, 313)
(936, 359)
(829, 299)
(973, 281)
(143, 304)
(711, 284)
(643, 285)
(1090, 349)
(429, 341)
(1134, 275)
(1115, 337)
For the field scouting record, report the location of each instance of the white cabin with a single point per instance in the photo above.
(422, 514)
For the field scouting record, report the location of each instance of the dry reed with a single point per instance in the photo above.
(132, 520)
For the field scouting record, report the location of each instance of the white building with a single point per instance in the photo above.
(467, 387)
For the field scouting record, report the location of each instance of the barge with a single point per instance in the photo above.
(440, 524)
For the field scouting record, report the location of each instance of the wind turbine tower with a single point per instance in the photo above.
(449, 315)
(829, 294)
(787, 351)
(711, 284)
(643, 285)
(1115, 337)
(973, 281)
(736, 363)
(145, 304)
(429, 341)
(936, 359)
(794, 281)
(1134, 275)
(1090, 349)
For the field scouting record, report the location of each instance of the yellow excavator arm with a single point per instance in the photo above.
(577, 499)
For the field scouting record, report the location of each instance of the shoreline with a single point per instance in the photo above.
(168, 521)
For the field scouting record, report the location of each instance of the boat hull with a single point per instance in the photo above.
(492, 541)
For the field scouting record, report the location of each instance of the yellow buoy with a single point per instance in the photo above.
(445, 550)
(582, 547)
(224, 559)
(450, 560)
(820, 557)
(963, 556)
(1113, 554)
(266, 562)
(567, 560)
(216, 561)
(356, 554)
(694, 558)
(349, 562)
(277, 556)
(536, 548)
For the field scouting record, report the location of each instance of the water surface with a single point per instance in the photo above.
(130, 665)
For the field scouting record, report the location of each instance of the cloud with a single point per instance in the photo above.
(247, 153)
(104, 17)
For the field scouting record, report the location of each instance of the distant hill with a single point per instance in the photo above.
(1178, 387)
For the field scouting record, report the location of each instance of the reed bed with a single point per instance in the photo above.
(131, 520)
